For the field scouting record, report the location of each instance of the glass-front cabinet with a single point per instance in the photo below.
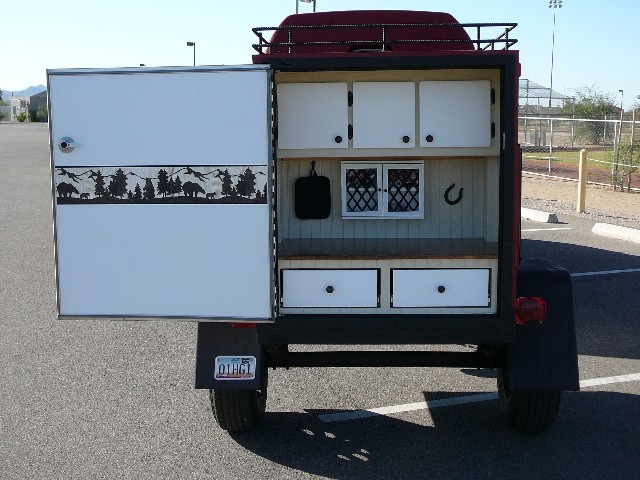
(383, 190)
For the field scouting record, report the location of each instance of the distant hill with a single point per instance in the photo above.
(27, 92)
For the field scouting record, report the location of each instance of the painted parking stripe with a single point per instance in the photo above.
(544, 229)
(448, 402)
(633, 377)
(605, 272)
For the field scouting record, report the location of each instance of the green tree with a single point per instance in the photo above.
(42, 114)
(592, 103)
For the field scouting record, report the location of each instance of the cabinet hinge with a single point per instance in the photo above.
(493, 96)
(350, 98)
(493, 129)
(350, 132)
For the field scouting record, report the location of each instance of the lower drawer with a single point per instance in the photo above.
(458, 287)
(330, 288)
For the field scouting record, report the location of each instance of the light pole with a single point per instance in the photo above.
(193, 44)
(306, 1)
(553, 4)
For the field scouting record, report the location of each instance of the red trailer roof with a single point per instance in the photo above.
(375, 30)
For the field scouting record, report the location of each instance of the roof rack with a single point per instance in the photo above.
(444, 35)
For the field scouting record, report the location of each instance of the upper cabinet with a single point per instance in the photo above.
(455, 113)
(313, 115)
(384, 114)
(390, 118)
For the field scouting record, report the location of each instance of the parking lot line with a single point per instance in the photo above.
(605, 272)
(448, 402)
(544, 229)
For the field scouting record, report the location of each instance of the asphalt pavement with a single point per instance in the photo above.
(98, 399)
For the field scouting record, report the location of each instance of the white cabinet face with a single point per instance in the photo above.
(390, 190)
(441, 287)
(384, 114)
(329, 288)
(455, 113)
(312, 115)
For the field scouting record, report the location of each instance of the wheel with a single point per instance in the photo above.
(527, 412)
(239, 410)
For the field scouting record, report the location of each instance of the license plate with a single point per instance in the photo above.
(235, 368)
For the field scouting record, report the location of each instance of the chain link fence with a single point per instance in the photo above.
(551, 146)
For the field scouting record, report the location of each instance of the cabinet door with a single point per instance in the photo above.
(147, 223)
(403, 195)
(312, 115)
(384, 115)
(361, 190)
(455, 113)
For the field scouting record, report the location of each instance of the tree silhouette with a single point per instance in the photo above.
(163, 183)
(137, 192)
(149, 190)
(227, 184)
(172, 187)
(177, 185)
(246, 185)
(118, 184)
(99, 179)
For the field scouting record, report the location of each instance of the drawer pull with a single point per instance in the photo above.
(441, 289)
(329, 289)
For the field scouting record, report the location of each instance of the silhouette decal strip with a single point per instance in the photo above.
(159, 184)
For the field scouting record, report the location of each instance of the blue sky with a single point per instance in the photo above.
(594, 40)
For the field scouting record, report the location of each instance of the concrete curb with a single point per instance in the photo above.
(614, 231)
(538, 216)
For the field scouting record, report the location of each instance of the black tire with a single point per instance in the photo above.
(527, 412)
(239, 410)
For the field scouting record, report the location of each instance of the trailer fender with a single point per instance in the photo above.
(239, 345)
(544, 356)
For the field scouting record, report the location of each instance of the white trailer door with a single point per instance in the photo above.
(161, 181)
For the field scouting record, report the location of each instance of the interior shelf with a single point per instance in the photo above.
(386, 248)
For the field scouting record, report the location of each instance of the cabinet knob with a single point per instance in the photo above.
(429, 138)
(406, 139)
(441, 289)
(338, 139)
(329, 289)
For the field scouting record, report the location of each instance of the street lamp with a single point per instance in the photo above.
(193, 44)
(306, 1)
(553, 4)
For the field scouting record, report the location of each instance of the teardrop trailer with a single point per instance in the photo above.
(357, 184)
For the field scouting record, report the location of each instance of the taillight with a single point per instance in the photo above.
(530, 310)
(242, 325)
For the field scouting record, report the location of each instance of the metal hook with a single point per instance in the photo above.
(446, 195)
